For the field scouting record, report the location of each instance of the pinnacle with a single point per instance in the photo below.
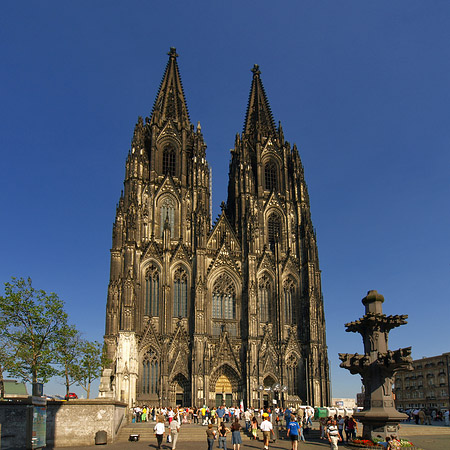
(258, 120)
(170, 103)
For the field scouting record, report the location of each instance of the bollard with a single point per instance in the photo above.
(100, 438)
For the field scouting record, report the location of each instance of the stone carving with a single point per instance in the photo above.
(377, 366)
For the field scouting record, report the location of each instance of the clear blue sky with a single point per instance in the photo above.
(362, 87)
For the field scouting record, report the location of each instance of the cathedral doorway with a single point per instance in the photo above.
(267, 396)
(179, 391)
(225, 387)
(224, 391)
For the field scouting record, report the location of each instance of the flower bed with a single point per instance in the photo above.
(376, 444)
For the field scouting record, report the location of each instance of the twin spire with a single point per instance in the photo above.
(258, 119)
(171, 104)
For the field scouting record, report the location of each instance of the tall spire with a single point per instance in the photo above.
(259, 116)
(170, 102)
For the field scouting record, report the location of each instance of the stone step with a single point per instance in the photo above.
(188, 432)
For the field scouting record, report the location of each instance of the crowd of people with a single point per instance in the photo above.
(223, 422)
(426, 416)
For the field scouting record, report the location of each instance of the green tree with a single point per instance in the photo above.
(31, 321)
(68, 352)
(90, 364)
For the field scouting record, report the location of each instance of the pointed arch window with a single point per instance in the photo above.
(270, 176)
(274, 230)
(224, 298)
(289, 295)
(180, 289)
(264, 298)
(150, 373)
(152, 291)
(292, 373)
(169, 160)
(168, 213)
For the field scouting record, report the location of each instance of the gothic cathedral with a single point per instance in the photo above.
(201, 313)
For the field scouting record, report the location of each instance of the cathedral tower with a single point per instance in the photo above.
(213, 314)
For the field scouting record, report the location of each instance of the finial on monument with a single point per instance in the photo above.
(256, 70)
(173, 52)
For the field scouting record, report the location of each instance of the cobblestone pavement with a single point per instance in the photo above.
(425, 437)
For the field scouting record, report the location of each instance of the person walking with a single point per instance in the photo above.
(160, 431)
(293, 429)
(174, 427)
(210, 436)
(333, 435)
(236, 438)
(223, 431)
(254, 425)
(266, 428)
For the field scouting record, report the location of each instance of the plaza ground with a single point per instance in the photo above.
(192, 437)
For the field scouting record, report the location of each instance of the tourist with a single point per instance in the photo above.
(309, 414)
(174, 427)
(421, 416)
(160, 431)
(333, 435)
(254, 426)
(352, 428)
(323, 426)
(287, 416)
(293, 429)
(236, 439)
(195, 414)
(210, 436)
(341, 423)
(446, 418)
(392, 443)
(220, 413)
(266, 428)
(247, 418)
(223, 430)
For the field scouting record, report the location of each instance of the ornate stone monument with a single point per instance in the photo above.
(377, 367)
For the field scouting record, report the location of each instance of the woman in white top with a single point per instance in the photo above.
(160, 431)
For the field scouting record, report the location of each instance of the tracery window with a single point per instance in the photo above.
(289, 295)
(292, 372)
(152, 291)
(150, 373)
(224, 298)
(270, 176)
(264, 298)
(168, 213)
(180, 289)
(169, 160)
(274, 229)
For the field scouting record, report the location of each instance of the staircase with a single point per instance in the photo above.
(192, 433)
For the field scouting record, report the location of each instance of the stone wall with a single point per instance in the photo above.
(72, 423)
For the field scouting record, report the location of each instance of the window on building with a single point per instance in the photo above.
(274, 229)
(152, 291)
(264, 298)
(168, 213)
(150, 373)
(169, 160)
(289, 294)
(270, 176)
(180, 289)
(224, 298)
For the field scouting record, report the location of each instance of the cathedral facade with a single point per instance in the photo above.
(201, 313)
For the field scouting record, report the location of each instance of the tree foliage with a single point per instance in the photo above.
(68, 352)
(31, 321)
(89, 365)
